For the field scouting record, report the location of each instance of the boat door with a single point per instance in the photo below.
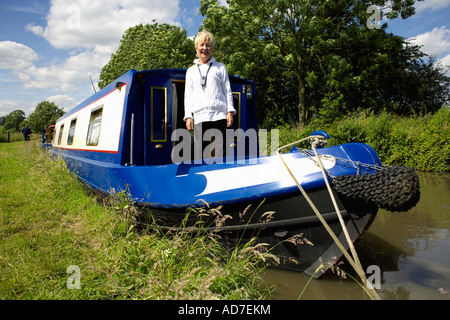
(245, 119)
(158, 124)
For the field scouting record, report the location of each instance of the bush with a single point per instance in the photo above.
(421, 142)
(13, 136)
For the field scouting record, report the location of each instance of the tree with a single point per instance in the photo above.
(45, 114)
(150, 46)
(13, 120)
(378, 71)
(304, 38)
(427, 88)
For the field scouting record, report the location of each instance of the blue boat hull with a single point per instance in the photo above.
(261, 183)
(180, 186)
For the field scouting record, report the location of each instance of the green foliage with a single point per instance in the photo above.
(427, 146)
(45, 114)
(315, 58)
(150, 46)
(421, 142)
(181, 266)
(13, 121)
(418, 142)
(13, 136)
(380, 71)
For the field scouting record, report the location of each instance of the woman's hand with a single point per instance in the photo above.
(229, 119)
(189, 124)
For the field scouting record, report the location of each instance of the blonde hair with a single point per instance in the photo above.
(206, 36)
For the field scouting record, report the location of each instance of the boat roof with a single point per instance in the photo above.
(176, 74)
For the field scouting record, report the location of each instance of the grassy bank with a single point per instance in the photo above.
(49, 223)
(421, 142)
(13, 136)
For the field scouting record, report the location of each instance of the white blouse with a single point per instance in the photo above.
(212, 101)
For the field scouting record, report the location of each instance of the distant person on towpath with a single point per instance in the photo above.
(26, 133)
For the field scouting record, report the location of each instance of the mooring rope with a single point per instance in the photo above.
(336, 207)
(354, 262)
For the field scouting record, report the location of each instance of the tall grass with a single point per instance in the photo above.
(13, 136)
(48, 223)
(421, 142)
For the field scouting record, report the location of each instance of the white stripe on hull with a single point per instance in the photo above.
(254, 175)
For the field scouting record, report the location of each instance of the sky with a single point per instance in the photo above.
(49, 50)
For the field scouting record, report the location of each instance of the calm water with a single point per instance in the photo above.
(411, 249)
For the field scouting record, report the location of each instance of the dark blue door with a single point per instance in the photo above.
(158, 124)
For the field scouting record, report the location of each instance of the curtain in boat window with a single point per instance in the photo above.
(73, 124)
(61, 131)
(94, 127)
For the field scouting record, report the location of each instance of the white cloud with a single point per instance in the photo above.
(83, 24)
(37, 30)
(431, 4)
(445, 62)
(89, 31)
(63, 101)
(224, 3)
(7, 106)
(65, 76)
(16, 56)
(34, 7)
(435, 42)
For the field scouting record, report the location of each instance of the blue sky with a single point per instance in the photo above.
(49, 49)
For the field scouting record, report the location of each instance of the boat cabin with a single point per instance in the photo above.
(132, 120)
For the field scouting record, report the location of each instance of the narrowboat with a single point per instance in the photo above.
(130, 136)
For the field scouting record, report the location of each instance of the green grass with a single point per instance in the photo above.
(48, 222)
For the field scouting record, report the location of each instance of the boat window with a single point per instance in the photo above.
(61, 130)
(94, 127)
(159, 114)
(73, 124)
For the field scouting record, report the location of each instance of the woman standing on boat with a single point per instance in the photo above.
(208, 96)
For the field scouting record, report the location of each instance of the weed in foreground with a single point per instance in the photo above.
(48, 222)
(152, 262)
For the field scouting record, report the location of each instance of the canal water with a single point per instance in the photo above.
(409, 253)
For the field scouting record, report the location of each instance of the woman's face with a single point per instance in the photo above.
(204, 51)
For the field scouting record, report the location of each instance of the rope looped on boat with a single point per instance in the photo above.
(354, 261)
